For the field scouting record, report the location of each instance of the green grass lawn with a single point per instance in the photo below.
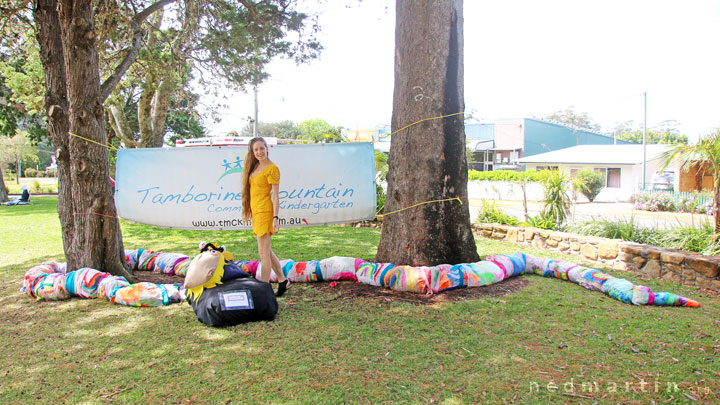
(551, 341)
(37, 185)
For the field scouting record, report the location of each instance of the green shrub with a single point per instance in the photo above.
(505, 175)
(541, 221)
(654, 201)
(30, 172)
(691, 238)
(592, 183)
(697, 202)
(36, 186)
(688, 237)
(51, 173)
(557, 202)
(490, 213)
(380, 196)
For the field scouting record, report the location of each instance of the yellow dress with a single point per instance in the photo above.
(260, 203)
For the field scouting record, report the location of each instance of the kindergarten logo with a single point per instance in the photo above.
(231, 167)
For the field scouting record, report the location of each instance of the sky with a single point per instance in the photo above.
(523, 58)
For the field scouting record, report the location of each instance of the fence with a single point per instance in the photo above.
(679, 196)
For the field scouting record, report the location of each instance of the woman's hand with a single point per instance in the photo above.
(276, 225)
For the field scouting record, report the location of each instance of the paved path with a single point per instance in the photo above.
(604, 210)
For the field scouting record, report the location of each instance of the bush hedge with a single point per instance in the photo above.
(30, 172)
(507, 175)
(592, 183)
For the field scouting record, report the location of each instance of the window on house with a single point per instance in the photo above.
(613, 177)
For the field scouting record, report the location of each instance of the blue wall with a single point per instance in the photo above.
(541, 137)
(480, 132)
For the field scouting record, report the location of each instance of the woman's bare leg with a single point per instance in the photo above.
(268, 260)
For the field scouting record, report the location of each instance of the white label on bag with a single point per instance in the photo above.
(237, 300)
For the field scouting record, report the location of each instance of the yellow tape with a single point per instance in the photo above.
(90, 140)
(425, 119)
(426, 202)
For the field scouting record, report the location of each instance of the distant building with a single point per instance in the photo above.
(621, 165)
(515, 138)
(481, 140)
(499, 145)
(360, 136)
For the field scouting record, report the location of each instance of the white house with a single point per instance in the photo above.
(622, 166)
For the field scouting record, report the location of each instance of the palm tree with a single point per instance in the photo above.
(706, 150)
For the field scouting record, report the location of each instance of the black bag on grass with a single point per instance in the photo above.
(236, 301)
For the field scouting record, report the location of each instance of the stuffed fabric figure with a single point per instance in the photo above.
(228, 303)
(206, 270)
(238, 301)
(233, 297)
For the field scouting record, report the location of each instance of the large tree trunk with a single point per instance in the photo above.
(51, 55)
(3, 189)
(427, 161)
(91, 232)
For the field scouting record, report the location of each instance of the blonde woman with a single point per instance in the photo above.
(260, 201)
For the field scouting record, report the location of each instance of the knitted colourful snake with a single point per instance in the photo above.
(50, 281)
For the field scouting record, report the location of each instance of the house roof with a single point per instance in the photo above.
(479, 145)
(597, 154)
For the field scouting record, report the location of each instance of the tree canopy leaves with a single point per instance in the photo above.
(152, 51)
(568, 116)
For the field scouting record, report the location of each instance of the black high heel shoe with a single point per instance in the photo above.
(283, 287)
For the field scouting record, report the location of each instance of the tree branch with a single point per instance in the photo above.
(9, 11)
(121, 126)
(109, 85)
(250, 8)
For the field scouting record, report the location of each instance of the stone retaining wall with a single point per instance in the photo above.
(677, 266)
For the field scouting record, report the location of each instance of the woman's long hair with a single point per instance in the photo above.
(250, 164)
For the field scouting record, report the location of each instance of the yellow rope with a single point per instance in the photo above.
(394, 132)
(423, 120)
(426, 202)
(408, 126)
(90, 140)
(401, 129)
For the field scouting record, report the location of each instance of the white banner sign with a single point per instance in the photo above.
(200, 188)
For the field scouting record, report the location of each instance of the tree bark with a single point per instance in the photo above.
(427, 161)
(3, 189)
(121, 126)
(91, 232)
(143, 110)
(51, 55)
(159, 110)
